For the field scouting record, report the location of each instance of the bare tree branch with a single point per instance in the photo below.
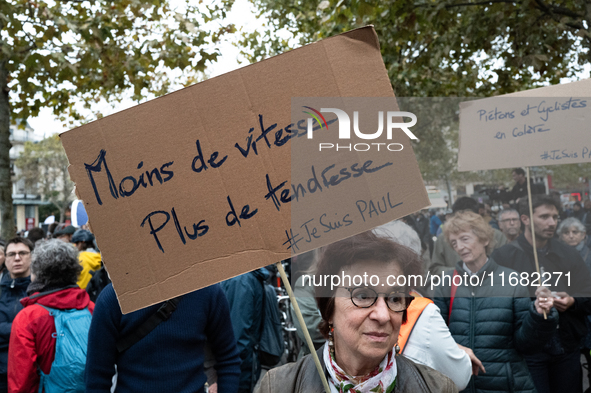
(487, 2)
(554, 9)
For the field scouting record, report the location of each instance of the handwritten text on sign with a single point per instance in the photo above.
(506, 132)
(275, 194)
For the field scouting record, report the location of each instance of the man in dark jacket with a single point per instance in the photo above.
(578, 212)
(556, 367)
(171, 357)
(519, 190)
(424, 231)
(245, 296)
(14, 287)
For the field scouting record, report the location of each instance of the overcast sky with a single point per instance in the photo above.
(242, 16)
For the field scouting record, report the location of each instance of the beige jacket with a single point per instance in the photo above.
(302, 377)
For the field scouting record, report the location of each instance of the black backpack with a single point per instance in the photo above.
(100, 279)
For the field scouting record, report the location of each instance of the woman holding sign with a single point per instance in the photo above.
(489, 313)
(361, 322)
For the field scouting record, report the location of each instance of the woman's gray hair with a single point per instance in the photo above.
(55, 263)
(571, 222)
(400, 233)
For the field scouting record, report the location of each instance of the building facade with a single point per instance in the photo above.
(25, 198)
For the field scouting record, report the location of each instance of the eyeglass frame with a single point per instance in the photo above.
(405, 293)
(21, 254)
(510, 220)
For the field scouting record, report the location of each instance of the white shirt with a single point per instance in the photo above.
(431, 344)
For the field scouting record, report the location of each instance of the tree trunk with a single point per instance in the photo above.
(6, 209)
(66, 192)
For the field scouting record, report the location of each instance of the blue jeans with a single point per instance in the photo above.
(556, 373)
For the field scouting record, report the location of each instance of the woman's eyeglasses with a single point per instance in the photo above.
(366, 297)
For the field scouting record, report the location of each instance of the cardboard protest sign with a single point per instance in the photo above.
(183, 191)
(545, 126)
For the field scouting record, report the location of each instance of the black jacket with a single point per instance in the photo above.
(499, 323)
(245, 295)
(574, 280)
(520, 190)
(13, 290)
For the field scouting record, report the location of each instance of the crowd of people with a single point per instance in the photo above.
(62, 329)
(472, 240)
(518, 337)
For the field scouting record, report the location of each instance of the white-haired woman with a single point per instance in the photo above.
(574, 233)
(499, 323)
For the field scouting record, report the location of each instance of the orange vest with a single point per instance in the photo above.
(413, 312)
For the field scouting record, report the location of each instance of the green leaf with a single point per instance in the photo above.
(63, 52)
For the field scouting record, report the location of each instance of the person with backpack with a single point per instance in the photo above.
(90, 259)
(47, 350)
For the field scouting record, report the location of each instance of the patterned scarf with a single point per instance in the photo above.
(380, 380)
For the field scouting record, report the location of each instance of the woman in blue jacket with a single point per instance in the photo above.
(488, 314)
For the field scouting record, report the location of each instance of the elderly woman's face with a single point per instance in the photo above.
(366, 334)
(572, 236)
(469, 247)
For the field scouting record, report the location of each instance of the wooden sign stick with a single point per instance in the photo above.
(303, 325)
(533, 233)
